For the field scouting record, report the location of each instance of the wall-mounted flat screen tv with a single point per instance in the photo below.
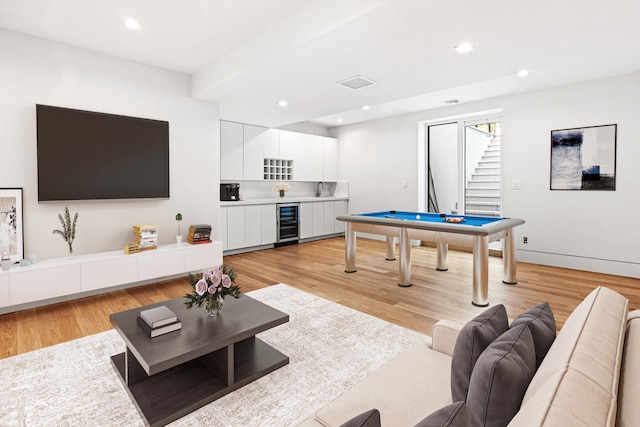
(84, 155)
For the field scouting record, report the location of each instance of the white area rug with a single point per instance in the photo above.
(330, 348)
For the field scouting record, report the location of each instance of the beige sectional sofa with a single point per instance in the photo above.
(589, 377)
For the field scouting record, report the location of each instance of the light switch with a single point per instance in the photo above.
(404, 184)
(516, 185)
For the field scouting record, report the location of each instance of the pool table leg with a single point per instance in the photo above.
(480, 271)
(405, 258)
(391, 249)
(350, 248)
(509, 259)
(442, 250)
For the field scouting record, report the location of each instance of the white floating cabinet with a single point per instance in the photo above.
(65, 278)
(40, 284)
(4, 290)
(108, 272)
(152, 264)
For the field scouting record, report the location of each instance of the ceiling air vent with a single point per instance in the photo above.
(357, 82)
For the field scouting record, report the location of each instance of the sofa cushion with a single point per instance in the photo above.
(629, 389)
(501, 377)
(370, 418)
(405, 390)
(577, 383)
(454, 415)
(474, 337)
(542, 325)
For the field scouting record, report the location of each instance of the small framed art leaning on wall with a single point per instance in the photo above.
(11, 231)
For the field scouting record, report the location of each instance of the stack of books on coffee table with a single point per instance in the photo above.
(159, 321)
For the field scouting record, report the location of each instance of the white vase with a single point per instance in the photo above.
(179, 240)
(5, 264)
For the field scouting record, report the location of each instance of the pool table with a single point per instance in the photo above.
(461, 230)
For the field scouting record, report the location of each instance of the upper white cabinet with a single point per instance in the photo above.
(309, 160)
(259, 143)
(330, 159)
(231, 151)
(243, 149)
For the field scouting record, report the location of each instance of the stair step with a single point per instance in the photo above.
(482, 212)
(483, 205)
(482, 190)
(483, 184)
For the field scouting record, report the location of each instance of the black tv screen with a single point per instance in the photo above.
(84, 155)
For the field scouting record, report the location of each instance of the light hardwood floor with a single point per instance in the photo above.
(318, 268)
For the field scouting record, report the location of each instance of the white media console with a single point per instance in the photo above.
(61, 279)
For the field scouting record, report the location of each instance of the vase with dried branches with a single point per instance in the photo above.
(68, 231)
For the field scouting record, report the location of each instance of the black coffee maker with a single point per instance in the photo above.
(229, 192)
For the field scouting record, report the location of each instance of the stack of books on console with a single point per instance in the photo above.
(159, 321)
(145, 236)
(199, 233)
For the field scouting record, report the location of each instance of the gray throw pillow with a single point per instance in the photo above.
(454, 415)
(474, 337)
(371, 418)
(542, 325)
(501, 377)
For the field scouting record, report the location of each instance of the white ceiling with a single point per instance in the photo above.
(246, 55)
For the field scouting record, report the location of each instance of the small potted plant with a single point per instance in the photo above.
(179, 235)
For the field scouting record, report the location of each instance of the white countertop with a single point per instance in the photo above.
(292, 199)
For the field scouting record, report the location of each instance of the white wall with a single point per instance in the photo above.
(35, 71)
(586, 230)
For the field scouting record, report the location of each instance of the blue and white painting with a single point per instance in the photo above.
(584, 158)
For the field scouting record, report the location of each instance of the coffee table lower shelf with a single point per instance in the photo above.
(168, 395)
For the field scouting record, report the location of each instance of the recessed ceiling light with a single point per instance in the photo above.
(464, 47)
(366, 107)
(339, 120)
(131, 23)
(283, 103)
(523, 73)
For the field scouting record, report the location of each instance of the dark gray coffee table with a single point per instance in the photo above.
(174, 374)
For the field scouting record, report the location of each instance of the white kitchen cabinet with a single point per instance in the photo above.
(235, 227)
(318, 218)
(287, 147)
(268, 217)
(329, 217)
(305, 216)
(252, 225)
(271, 144)
(108, 272)
(330, 159)
(27, 285)
(308, 162)
(4, 290)
(231, 151)
(258, 140)
(223, 227)
(340, 209)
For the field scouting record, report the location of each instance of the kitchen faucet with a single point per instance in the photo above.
(319, 188)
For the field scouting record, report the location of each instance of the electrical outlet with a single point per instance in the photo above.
(525, 240)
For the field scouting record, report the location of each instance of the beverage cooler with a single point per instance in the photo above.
(288, 226)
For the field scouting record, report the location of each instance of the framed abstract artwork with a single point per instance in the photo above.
(584, 158)
(11, 231)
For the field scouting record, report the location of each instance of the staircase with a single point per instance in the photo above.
(482, 194)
